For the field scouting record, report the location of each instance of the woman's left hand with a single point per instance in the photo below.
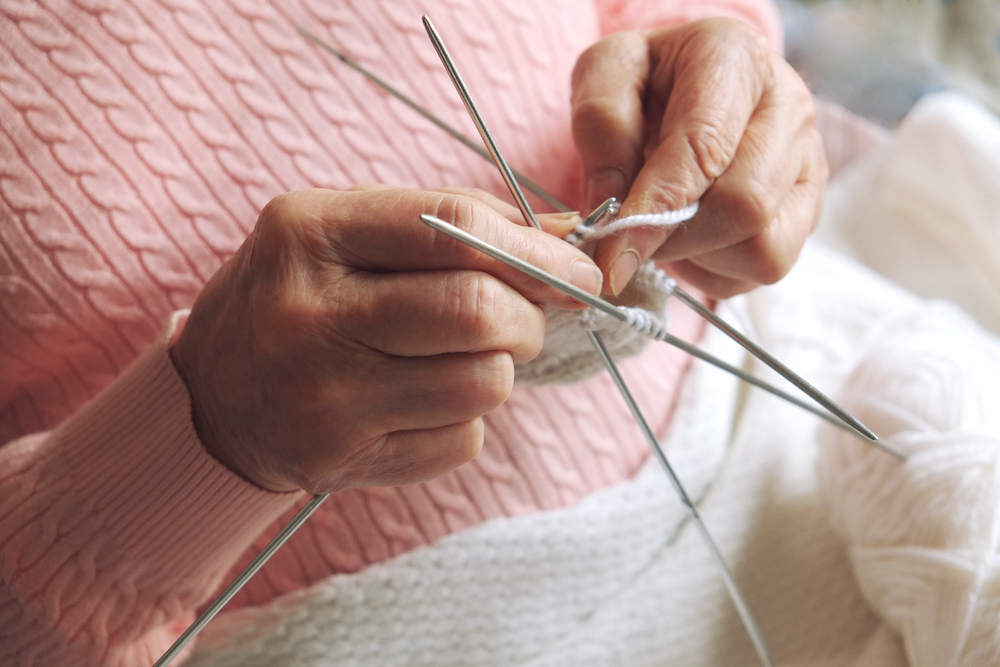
(705, 111)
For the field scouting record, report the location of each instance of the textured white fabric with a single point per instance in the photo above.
(569, 356)
(622, 578)
(903, 573)
(924, 210)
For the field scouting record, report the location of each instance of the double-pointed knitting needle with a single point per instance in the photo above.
(742, 609)
(614, 311)
(536, 189)
(845, 417)
(522, 203)
(241, 579)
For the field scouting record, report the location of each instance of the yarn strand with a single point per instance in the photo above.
(583, 234)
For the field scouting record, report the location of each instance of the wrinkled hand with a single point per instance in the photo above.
(707, 110)
(348, 344)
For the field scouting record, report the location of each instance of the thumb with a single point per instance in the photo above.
(607, 114)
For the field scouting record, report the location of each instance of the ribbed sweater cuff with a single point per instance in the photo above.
(127, 476)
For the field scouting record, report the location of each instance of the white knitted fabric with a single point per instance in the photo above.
(622, 578)
(567, 355)
(871, 563)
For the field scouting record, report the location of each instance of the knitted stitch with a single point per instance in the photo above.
(568, 356)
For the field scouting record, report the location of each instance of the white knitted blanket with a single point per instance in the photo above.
(903, 573)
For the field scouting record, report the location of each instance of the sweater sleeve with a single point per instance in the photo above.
(616, 15)
(117, 525)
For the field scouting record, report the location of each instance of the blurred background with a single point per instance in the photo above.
(878, 57)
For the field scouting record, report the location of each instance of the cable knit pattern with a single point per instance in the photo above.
(138, 141)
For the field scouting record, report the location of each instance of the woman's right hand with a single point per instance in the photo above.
(348, 344)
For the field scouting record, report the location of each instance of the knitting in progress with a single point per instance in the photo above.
(138, 143)
(622, 578)
(567, 356)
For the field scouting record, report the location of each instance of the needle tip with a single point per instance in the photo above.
(865, 431)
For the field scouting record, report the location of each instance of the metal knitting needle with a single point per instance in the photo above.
(477, 118)
(734, 592)
(533, 187)
(727, 576)
(241, 579)
(685, 298)
(769, 359)
(611, 207)
(614, 311)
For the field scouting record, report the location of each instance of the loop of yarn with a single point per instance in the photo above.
(645, 323)
(639, 319)
(569, 357)
(582, 234)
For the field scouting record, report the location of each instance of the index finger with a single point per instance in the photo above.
(707, 79)
(380, 231)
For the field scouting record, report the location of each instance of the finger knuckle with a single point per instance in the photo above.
(616, 51)
(462, 211)
(598, 114)
(583, 64)
(469, 446)
(275, 216)
(710, 148)
(486, 384)
(819, 161)
(474, 307)
(754, 43)
(491, 382)
(756, 208)
(736, 36)
(729, 37)
(464, 445)
(751, 207)
(769, 263)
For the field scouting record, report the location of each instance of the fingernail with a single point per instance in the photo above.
(586, 276)
(606, 183)
(623, 269)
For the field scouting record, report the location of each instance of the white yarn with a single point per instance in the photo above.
(582, 234)
(925, 535)
(568, 356)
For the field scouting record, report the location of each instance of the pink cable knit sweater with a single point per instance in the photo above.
(138, 141)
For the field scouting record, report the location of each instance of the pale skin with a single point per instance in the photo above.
(705, 111)
(346, 344)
